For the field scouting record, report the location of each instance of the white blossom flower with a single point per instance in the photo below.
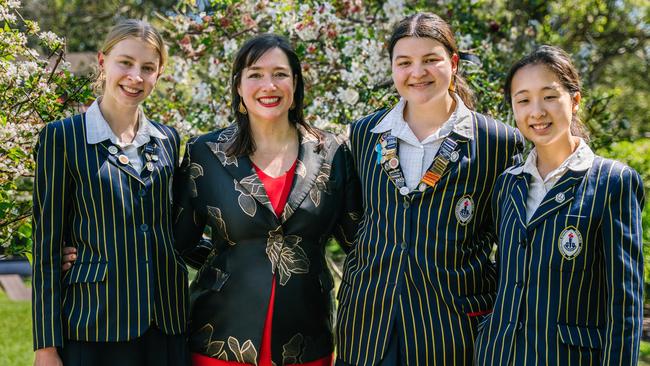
(201, 92)
(349, 96)
(50, 39)
(465, 42)
(394, 10)
(230, 47)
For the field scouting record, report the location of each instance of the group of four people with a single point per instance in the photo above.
(417, 200)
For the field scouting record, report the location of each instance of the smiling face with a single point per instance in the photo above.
(267, 87)
(131, 69)
(422, 69)
(542, 106)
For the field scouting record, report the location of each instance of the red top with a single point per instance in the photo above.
(277, 189)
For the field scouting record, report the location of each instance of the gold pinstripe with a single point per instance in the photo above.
(582, 286)
(430, 274)
(95, 189)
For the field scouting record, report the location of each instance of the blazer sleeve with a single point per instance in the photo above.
(622, 237)
(50, 209)
(189, 223)
(351, 210)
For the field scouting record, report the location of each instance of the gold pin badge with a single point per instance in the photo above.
(149, 166)
(123, 159)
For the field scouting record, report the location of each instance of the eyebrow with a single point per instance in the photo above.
(131, 58)
(544, 88)
(262, 68)
(427, 55)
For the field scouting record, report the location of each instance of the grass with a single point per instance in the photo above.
(16, 334)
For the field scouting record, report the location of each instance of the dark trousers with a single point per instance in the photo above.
(153, 348)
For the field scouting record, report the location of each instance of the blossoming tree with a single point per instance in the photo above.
(34, 89)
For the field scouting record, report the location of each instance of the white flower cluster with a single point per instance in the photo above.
(51, 40)
(342, 52)
(394, 10)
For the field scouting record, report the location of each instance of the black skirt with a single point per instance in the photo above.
(153, 348)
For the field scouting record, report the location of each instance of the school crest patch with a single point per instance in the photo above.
(570, 243)
(464, 209)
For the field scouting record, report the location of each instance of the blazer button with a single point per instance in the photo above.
(142, 192)
(144, 228)
(403, 245)
(407, 204)
(520, 325)
(519, 284)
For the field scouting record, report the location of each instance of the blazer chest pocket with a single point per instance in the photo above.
(586, 337)
(87, 272)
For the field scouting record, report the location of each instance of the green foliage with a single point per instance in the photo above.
(85, 23)
(637, 155)
(34, 89)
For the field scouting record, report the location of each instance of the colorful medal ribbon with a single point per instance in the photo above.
(387, 156)
(433, 174)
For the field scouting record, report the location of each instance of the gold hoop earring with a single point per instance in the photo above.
(452, 85)
(242, 109)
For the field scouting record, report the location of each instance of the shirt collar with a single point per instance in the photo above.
(460, 120)
(98, 129)
(580, 160)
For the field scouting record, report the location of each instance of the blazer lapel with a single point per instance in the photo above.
(311, 174)
(245, 179)
(103, 150)
(519, 197)
(559, 196)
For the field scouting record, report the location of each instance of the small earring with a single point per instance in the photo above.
(293, 105)
(452, 85)
(242, 109)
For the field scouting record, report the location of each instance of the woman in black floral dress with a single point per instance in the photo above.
(273, 191)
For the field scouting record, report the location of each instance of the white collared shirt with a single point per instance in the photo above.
(579, 160)
(98, 130)
(415, 156)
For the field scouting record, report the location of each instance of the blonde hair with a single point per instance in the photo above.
(131, 28)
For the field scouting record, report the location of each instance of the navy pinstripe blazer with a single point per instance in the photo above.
(126, 275)
(414, 262)
(571, 281)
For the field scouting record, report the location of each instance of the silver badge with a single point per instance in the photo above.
(149, 166)
(422, 187)
(570, 243)
(464, 210)
(559, 198)
(112, 150)
(454, 156)
(404, 191)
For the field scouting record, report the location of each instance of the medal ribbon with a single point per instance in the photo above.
(437, 168)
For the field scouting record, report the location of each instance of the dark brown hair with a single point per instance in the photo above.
(559, 62)
(429, 25)
(248, 54)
